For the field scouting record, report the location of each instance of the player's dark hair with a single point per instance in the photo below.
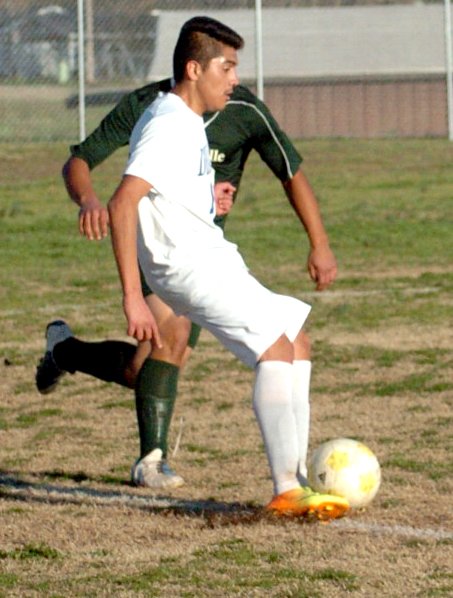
(201, 39)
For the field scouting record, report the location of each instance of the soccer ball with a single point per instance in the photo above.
(347, 468)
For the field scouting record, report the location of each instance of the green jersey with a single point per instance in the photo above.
(244, 125)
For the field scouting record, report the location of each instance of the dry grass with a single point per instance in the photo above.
(65, 469)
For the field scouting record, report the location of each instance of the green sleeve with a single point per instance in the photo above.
(272, 143)
(115, 129)
(266, 137)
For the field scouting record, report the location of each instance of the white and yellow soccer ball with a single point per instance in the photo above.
(347, 468)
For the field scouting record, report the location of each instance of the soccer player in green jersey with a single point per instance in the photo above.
(245, 125)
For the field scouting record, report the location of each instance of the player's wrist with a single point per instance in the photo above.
(89, 202)
(132, 293)
(320, 243)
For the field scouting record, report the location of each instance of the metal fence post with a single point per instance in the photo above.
(81, 69)
(259, 50)
(449, 68)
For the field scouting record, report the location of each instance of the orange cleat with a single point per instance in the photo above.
(305, 502)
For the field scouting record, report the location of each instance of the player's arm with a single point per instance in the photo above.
(93, 215)
(322, 265)
(113, 132)
(123, 212)
(277, 151)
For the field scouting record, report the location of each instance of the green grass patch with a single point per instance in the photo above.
(31, 551)
(432, 469)
(235, 566)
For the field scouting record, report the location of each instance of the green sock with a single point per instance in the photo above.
(155, 395)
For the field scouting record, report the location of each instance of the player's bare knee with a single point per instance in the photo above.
(181, 337)
(302, 346)
(281, 350)
(174, 338)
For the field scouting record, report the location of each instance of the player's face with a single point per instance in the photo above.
(218, 80)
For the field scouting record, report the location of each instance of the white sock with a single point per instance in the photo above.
(301, 406)
(273, 406)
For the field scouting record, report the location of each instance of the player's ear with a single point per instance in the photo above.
(193, 70)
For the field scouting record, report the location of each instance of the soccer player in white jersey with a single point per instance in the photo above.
(162, 215)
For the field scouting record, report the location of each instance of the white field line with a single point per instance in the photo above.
(55, 309)
(392, 530)
(12, 488)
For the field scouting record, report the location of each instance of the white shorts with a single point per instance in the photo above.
(246, 317)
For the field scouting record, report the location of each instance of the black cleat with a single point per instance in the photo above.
(48, 374)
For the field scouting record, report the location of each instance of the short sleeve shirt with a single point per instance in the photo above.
(245, 125)
(169, 149)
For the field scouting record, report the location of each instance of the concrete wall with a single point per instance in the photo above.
(410, 107)
(358, 71)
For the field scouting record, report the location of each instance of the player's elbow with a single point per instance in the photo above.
(74, 167)
(65, 170)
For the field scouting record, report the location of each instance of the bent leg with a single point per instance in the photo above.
(106, 360)
(157, 378)
(176, 350)
(174, 330)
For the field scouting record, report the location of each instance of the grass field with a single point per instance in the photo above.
(71, 525)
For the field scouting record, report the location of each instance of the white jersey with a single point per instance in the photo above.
(183, 255)
(169, 149)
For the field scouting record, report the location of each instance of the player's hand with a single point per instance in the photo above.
(141, 323)
(93, 220)
(322, 266)
(224, 193)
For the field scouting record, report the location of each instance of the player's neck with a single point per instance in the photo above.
(190, 96)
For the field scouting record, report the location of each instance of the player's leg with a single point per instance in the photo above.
(106, 360)
(236, 308)
(153, 377)
(240, 320)
(280, 407)
(155, 395)
(301, 399)
(273, 400)
(273, 407)
(156, 383)
(111, 361)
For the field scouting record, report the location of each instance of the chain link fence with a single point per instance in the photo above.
(326, 63)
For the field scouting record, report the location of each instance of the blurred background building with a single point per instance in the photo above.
(329, 68)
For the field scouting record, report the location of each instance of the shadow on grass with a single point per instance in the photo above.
(14, 488)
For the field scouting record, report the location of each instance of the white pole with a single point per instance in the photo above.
(259, 50)
(89, 37)
(81, 64)
(449, 68)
